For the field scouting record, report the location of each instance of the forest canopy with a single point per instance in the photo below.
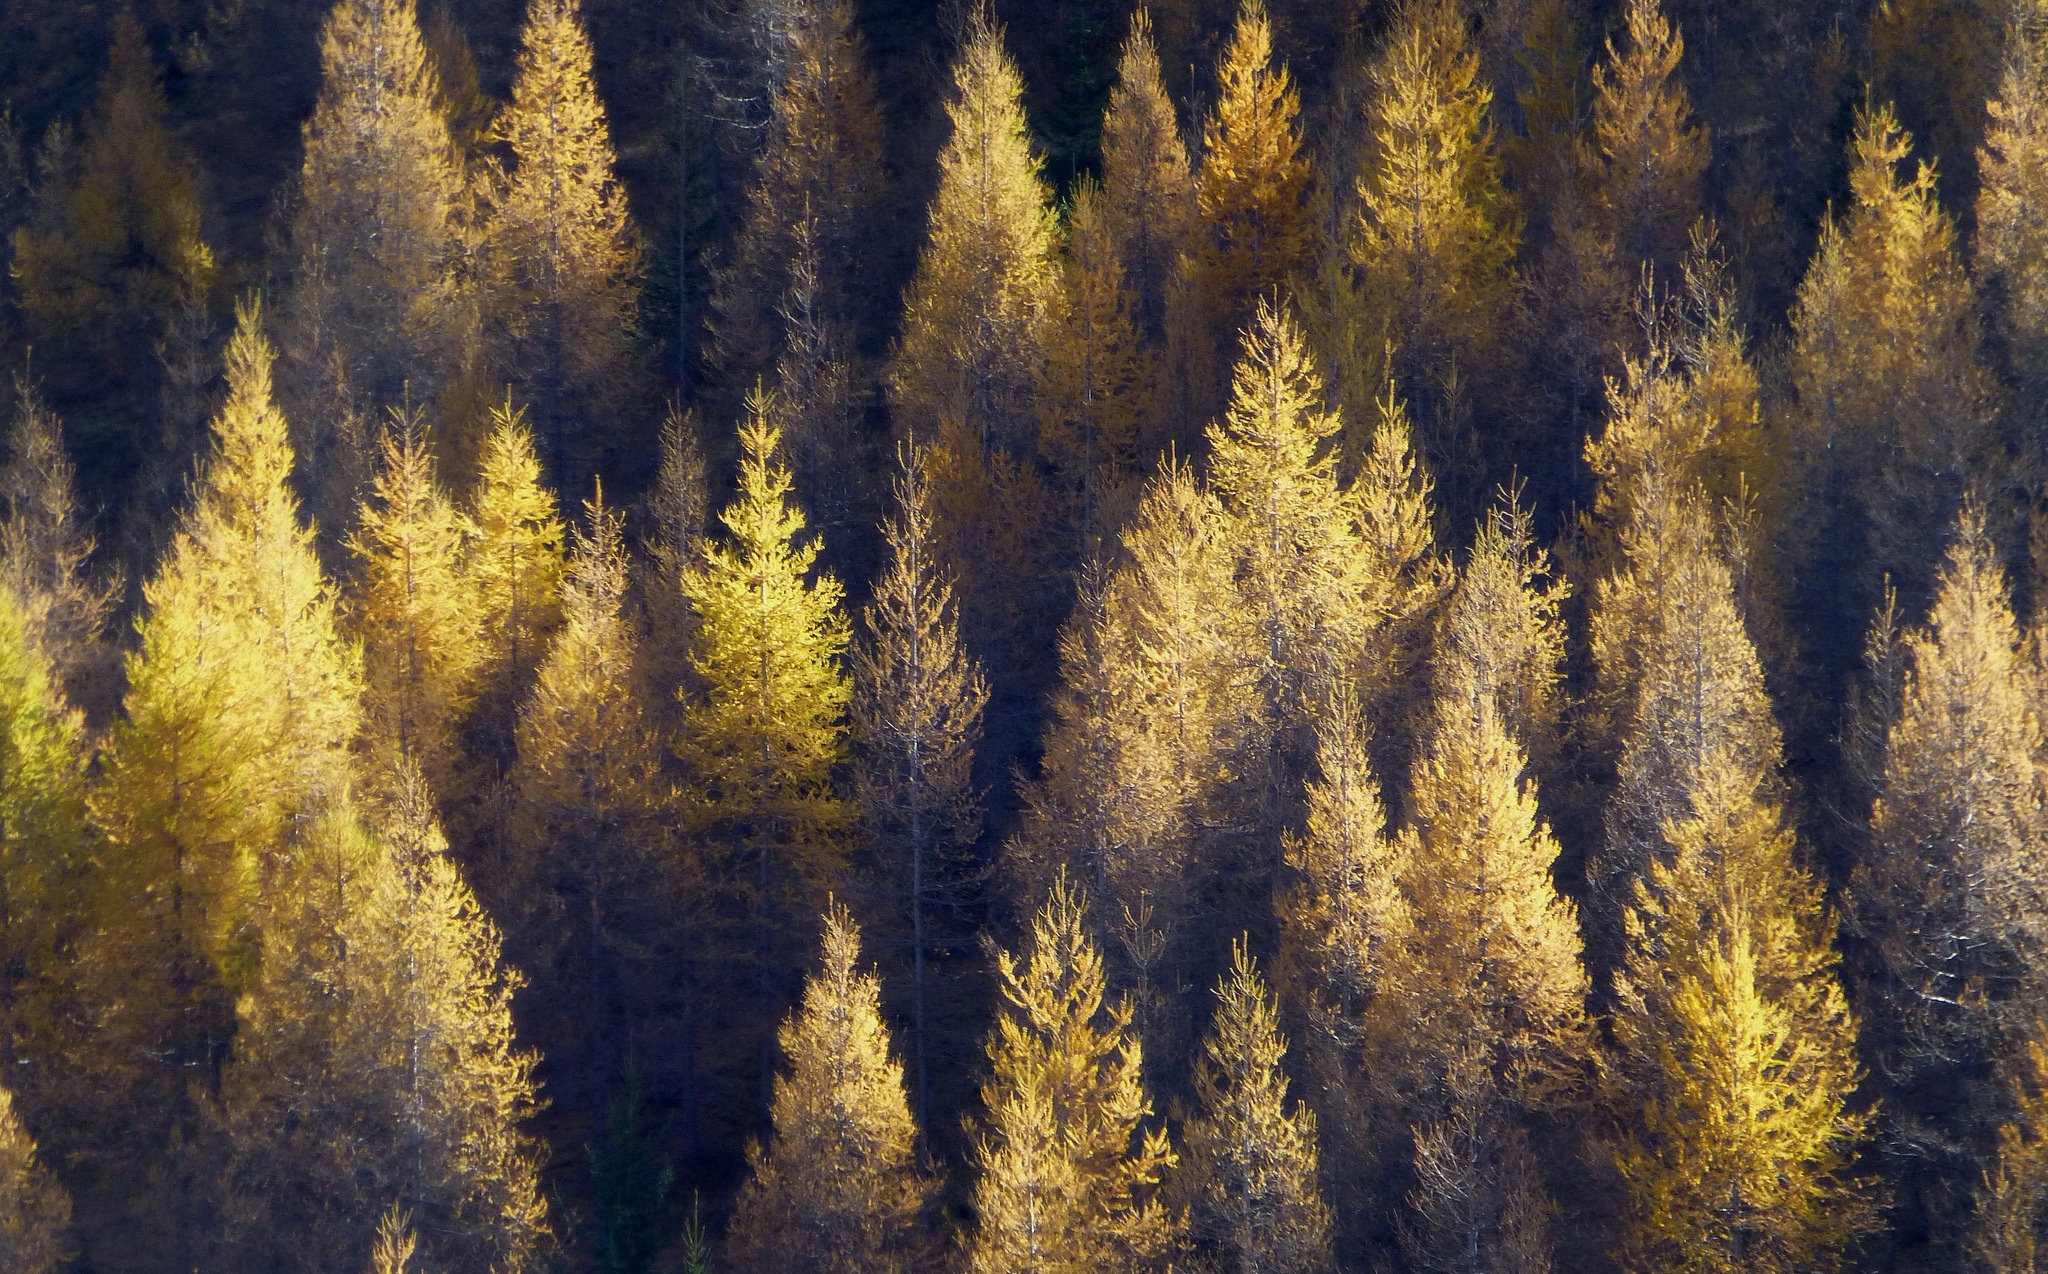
(1023, 636)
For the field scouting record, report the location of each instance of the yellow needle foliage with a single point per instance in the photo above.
(1147, 184)
(561, 255)
(1250, 1157)
(1254, 231)
(837, 1189)
(1647, 156)
(975, 315)
(515, 568)
(414, 609)
(1738, 1051)
(1067, 1172)
(35, 1212)
(2005, 1233)
(2012, 202)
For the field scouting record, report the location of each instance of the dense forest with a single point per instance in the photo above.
(1024, 636)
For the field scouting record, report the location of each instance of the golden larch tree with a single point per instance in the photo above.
(414, 608)
(976, 312)
(1646, 155)
(380, 312)
(1068, 1174)
(560, 256)
(820, 167)
(1436, 234)
(35, 1212)
(916, 719)
(2012, 230)
(2005, 1233)
(1250, 1159)
(1502, 634)
(1738, 1057)
(1253, 227)
(376, 1060)
(1148, 186)
(837, 1189)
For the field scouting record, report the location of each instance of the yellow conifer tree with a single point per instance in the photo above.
(1147, 184)
(379, 313)
(917, 714)
(1099, 381)
(1068, 1174)
(1502, 635)
(414, 610)
(1737, 1047)
(976, 312)
(1436, 233)
(2012, 234)
(766, 727)
(2005, 1232)
(561, 255)
(1646, 156)
(837, 1190)
(1252, 1160)
(35, 1212)
(1254, 229)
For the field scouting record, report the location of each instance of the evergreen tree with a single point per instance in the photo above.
(415, 610)
(376, 1061)
(820, 167)
(763, 733)
(35, 1212)
(1436, 234)
(1256, 1203)
(2012, 236)
(1952, 885)
(975, 314)
(1737, 1046)
(1068, 1174)
(561, 256)
(838, 1189)
(1254, 226)
(917, 716)
(379, 313)
(1147, 185)
(1647, 156)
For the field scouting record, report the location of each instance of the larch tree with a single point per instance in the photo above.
(766, 726)
(837, 1189)
(1100, 381)
(1951, 893)
(2012, 231)
(1254, 231)
(240, 715)
(46, 555)
(117, 265)
(1436, 234)
(1478, 1205)
(560, 254)
(1502, 635)
(1303, 569)
(35, 1211)
(379, 313)
(1895, 409)
(1067, 1174)
(376, 1061)
(976, 312)
(1250, 1159)
(1646, 156)
(917, 717)
(589, 866)
(1493, 963)
(2005, 1232)
(396, 1243)
(820, 166)
(1147, 184)
(515, 571)
(1738, 1062)
(414, 609)
(43, 862)
(1694, 690)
